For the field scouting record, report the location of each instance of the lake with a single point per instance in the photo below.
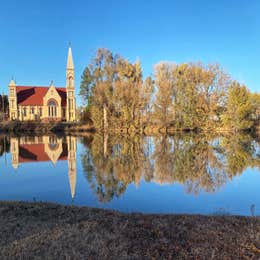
(188, 173)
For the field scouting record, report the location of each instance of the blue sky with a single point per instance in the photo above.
(34, 36)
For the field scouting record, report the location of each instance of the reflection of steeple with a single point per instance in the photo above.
(15, 152)
(72, 181)
(71, 141)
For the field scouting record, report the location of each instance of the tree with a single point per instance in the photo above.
(86, 85)
(163, 105)
(189, 95)
(4, 105)
(131, 94)
(184, 96)
(97, 86)
(199, 93)
(255, 100)
(115, 92)
(238, 113)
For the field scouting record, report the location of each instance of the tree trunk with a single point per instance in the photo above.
(105, 118)
(105, 141)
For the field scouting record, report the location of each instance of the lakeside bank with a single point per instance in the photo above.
(78, 128)
(34, 127)
(52, 231)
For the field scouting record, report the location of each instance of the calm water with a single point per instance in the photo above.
(178, 174)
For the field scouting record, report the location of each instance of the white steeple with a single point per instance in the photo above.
(12, 83)
(70, 88)
(70, 64)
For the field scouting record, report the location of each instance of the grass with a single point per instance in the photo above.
(51, 231)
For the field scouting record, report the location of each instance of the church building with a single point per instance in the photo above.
(46, 104)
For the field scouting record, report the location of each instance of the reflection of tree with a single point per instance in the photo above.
(190, 160)
(241, 151)
(130, 159)
(4, 145)
(112, 165)
(198, 162)
(99, 171)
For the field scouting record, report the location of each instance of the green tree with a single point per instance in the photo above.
(255, 100)
(97, 86)
(4, 105)
(239, 110)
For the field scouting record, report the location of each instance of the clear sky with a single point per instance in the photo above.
(34, 36)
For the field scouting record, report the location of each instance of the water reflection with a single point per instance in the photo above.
(33, 149)
(198, 162)
(108, 164)
(4, 145)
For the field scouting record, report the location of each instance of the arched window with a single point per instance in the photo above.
(70, 82)
(53, 145)
(52, 108)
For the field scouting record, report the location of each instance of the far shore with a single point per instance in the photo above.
(78, 128)
(52, 231)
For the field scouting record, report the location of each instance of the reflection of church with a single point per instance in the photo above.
(43, 149)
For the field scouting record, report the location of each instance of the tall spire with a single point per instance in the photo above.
(12, 82)
(70, 88)
(70, 64)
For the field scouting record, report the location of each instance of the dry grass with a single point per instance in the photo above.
(50, 231)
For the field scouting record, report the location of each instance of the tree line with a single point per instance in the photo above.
(178, 96)
(4, 107)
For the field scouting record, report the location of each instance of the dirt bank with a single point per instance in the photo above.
(50, 231)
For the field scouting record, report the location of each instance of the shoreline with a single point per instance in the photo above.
(53, 231)
(33, 127)
(77, 128)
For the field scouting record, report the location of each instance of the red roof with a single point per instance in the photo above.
(36, 153)
(32, 95)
